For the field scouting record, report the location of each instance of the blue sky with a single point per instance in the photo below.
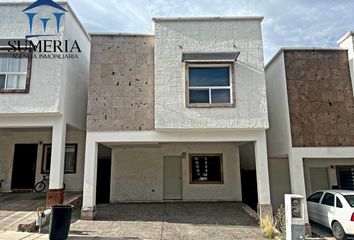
(287, 23)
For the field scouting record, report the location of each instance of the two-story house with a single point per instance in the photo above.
(43, 97)
(179, 114)
(311, 107)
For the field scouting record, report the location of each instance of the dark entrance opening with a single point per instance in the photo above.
(249, 188)
(24, 167)
(103, 188)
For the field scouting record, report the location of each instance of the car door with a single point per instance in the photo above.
(312, 205)
(326, 209)
(341, 212)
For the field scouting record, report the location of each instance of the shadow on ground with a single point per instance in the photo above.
(227, 213)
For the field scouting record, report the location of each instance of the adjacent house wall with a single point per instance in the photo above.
(348, 43)
(137, 173)
(121, 88)
(44, 93)
(328, 163)
(279, 178)
(173, 37)
(278, 134)
(321, 103)
(8, 139)
(76, 74)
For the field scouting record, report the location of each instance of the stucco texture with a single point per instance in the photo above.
(10, 137)
(137, 173)
(172, 38)
(320, 97)
(121, 87)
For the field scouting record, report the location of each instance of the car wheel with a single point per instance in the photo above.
(338, 231)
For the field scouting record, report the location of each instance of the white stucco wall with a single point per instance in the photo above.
(173, 37)
(137, 173)
(44, 94)
(8, 139)
(279, 133)
(348, 43)
(76, 75)
(56, 85)
(279, 178)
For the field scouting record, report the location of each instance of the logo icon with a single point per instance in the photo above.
(37, 19)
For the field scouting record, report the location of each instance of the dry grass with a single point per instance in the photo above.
(268, 227)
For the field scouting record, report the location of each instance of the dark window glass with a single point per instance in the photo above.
(315, 197)
(206, 169)
(350, 199)
(199, 96)
(220, 96)
(70, 158)
(209, 76)
(328, 199)
(2, 81)
(346, 177)
(339, 203)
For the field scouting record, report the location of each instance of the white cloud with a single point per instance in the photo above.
(287, 23)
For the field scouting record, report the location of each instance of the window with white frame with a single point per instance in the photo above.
(209, 85)
(14, 72)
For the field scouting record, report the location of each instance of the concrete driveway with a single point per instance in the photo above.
(169, 221)
(17, 207)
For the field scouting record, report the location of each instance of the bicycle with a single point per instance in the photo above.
(41, 185)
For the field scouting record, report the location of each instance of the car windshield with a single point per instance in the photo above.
(350, 199)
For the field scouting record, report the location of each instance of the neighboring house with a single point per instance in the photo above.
(179, 114)
(43, 102)
(311, 109)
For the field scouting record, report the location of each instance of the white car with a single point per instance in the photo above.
(333, 209)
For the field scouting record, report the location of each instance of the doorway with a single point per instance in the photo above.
(24, 167)
(103, 188)
(172, 178)
(249, 188)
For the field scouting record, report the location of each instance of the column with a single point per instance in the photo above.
(55, 194)
(88, 210)
(297, 176)
(261, 158)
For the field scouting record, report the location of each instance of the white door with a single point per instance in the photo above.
(319, 179)
(172, 178)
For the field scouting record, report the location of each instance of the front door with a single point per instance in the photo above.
(172, 178)
(24, 166)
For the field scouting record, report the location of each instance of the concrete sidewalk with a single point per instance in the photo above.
(16, 208)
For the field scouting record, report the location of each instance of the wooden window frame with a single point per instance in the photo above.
(231, 67)
(43, 171)
(191, 155)
(29, 55)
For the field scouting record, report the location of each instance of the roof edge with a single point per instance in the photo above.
(342, 39)
(229, 18)
(300, 49)
(120, 34)
(61, 2)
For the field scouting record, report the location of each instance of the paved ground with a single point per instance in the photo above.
(15, 207)
(221, 221)
(187, 221)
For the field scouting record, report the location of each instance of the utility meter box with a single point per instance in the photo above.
(294, 216)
